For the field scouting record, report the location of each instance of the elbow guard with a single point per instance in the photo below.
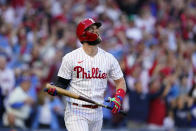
(61, 82)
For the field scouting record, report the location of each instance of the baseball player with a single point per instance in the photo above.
(85, 71)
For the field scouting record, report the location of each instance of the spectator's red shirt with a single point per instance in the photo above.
(157, 112)
(17, 3)
(166, 71)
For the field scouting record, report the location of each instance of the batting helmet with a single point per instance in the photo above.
(82, 34)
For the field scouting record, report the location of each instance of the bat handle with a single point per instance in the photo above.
(121, 112)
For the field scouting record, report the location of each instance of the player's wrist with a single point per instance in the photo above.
(120, 93)
(120, 98)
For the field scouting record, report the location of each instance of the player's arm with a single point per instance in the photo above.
(117, 75)
(62, 82)
(120, 84)
(64, 75)
(119, 96)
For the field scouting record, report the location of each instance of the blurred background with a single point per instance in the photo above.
(153, 40)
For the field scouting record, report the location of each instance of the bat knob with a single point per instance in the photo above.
(108, 99)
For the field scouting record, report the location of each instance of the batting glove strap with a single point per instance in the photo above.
(120, 93)
(114, 100)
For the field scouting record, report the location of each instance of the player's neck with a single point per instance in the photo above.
(90, 50)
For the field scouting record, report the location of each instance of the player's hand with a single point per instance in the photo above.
(51, 91)
(116, 103)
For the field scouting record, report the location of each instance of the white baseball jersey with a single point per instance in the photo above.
(88, 74)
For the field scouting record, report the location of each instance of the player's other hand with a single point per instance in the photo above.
(51, 91)
(116, 103)
(117, 100)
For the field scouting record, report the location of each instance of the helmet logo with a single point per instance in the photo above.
(92, 20)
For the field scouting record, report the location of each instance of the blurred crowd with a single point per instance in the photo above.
(153, 40)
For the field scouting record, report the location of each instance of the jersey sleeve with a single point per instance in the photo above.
(65, 69)
(115, 70)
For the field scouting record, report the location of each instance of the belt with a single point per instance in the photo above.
(86, 106)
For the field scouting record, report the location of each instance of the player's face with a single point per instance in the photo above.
(93, 29)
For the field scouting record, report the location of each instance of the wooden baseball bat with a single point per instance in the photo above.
(75, 96)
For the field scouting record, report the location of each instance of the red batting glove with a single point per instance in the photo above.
(117, 100)
(116, 104)
(51, 91)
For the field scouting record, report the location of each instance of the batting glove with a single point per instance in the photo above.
(116, 103)
(117, 100)
(51, 91)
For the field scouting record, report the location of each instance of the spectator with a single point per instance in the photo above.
(174, 90)
(139, 104)
(18, 105)
(7, 81)
(47, 112)
(193, 115)
(157, 106)
(182, 112)
(192, 94)
(5, 47)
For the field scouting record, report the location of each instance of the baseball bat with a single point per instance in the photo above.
(75, 96)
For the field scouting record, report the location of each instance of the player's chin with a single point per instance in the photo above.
(96, 42)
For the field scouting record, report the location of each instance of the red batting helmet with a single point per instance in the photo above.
(82, 34)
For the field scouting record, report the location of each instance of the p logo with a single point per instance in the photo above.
(92, 20)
